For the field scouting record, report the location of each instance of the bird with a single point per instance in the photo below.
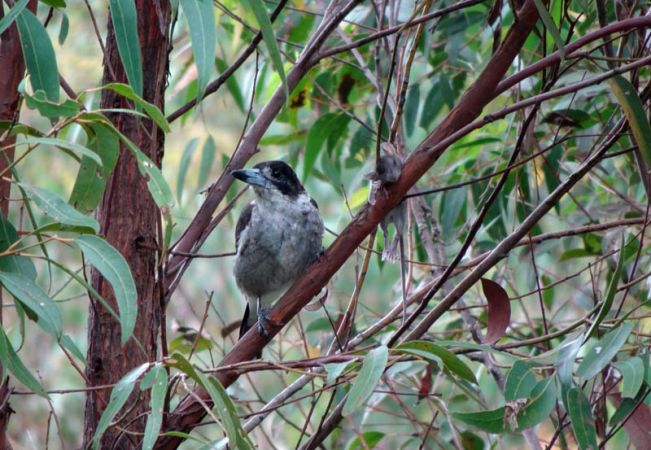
(277, 237)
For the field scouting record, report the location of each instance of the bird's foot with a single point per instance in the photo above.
(264, 320)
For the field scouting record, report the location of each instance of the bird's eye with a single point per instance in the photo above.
(275, 173)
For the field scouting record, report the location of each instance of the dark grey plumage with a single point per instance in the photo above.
(278, 235)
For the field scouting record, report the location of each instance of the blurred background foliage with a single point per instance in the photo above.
(326, 131)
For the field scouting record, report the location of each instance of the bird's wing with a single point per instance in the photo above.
(243, 222)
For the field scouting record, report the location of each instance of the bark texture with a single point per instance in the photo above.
(130, 221)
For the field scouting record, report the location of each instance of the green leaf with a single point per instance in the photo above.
(223, 404)
(565, 363)
(125, 24)
(9, 18)
(152, 110)
(440, 355)
(632, 370)
(11, 361)
(542, 401)
(520, 381)
(365, 441)
(201, 23)
(13, 263)
(488, 421)
(158, 384)
(111, 264)
(55, 3)
(369, 375)
(610, 293)
(318, 135)
(603, 351)
(551, 27)
(39, 55)
(91, 178)
(334, 370)
(65, 145)
(29, 294)
(583, 424)
(412, 104)
(56, 208)
(119, 396)
(207, 159)
(635, 114)
(47, 108)
(186, 159)
(231, 84)
(264, 22)
(63, 30)
(67, 343)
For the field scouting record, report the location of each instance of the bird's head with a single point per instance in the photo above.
(271, 179)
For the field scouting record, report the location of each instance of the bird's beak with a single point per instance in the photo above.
(251, 176)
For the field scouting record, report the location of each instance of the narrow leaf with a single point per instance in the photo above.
(632, 370)
(157, 403)
(9, 18)
(610, 293)
(438, 354)
(368, 377)
(319, 133)
(231, 84)
(488, 421)
(119, 396)
(29, 294)
(366, 440)
(603, 351)
(40, 59)
(56, 208)
(542, 400)
(637, 426)
(583, 425)
(111, 264)
(207, 159)
(264, 22)
(520, 381)
(635, 114)
(201, 23)
(551, 27)
(13, 263)
(10, 361)
(499, 310)
(125, 24)
(152, 110)
(186, 159)
(84, 151)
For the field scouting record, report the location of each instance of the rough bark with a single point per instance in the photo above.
(130, 221)
(11, 60)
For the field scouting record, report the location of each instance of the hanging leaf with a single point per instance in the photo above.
(550, 25)
(264, 22)
(603, 351)
(635, 114)
(369, 375)
(499, 310)
(583, 424)
(325, 126)
(632, 370)
(207, 158)
(152, 110)
(520, 381)
(637, 424)
(119, 396)
(11, 362)
(223, 404)
(125, 24)
(201, 23)
(156, 379)
(365, 441)
(186, 159)
(63, 144)
(10, 16)
(30, 295)
(488, 421)
(542, 401)
(13, 263)
(38, 52)
(442, 356)
(112, 265)
(56, 208)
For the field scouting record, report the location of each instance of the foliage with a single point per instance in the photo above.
(542, 193)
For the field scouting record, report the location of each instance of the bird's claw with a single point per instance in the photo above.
(264, 320)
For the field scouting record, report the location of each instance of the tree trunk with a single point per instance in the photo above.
(11, 60)
(130, 221)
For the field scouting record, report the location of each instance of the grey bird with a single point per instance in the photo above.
(278, 235)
